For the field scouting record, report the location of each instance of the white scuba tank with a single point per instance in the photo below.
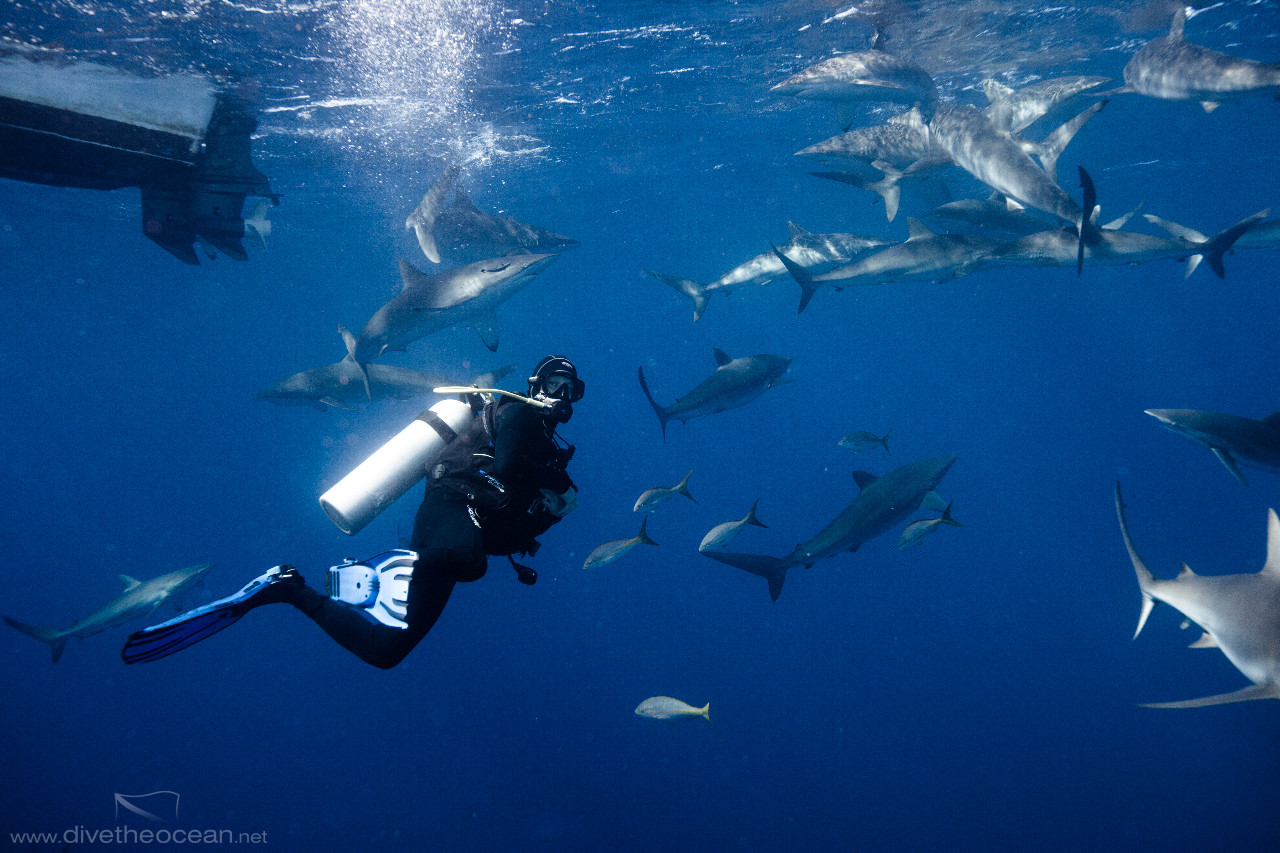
(394, 468)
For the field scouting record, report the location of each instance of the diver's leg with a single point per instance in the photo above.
(449, 549)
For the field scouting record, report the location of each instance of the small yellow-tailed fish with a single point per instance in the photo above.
(659, 494)
(610, 551)
(860, 440)
(917, 530)
(666, 708)
(719, 536)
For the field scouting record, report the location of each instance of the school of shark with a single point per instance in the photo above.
(471, 262)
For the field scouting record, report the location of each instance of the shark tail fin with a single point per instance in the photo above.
(751, 516)
(803, 277)
(349, 340)
(663, 417)
(55, 638)
(1218, 245)
(1145, 578)
(771, 569)
(695, 290)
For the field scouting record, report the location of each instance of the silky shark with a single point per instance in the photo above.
(901, 142)
(882, 502)
(736, 382)
(1003, 163)
(925, 256)
(347, 384)
(465, 234)
(814, 252)
(1259, 235)
(138, 599)
(852, 78)
(891, 182)
(1234, 440)
(430, 302)
(423, 218)
(994, 216)
(1043, 102)
(1240, 615)
(1173, 69)
(1103, 246)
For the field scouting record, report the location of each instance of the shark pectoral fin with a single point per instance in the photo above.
(486, 326)
(771, 569)
(1246, 694)
(1210, 106)
(1229, 461)
(933, 501)
(1206, 641)
(1192, 263)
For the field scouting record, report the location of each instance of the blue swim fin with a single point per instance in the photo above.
(191, 627)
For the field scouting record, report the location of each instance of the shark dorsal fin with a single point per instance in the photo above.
(1272, 566)
(461, 199)
(1185, 573)
(911, 118)
(995, 90)
(795, 230)
(864, 478)
(1179, 22)
(128, 582)
(722, 357)
(917, 230)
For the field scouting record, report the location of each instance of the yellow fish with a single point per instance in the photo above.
(666, 708)
(610, 551)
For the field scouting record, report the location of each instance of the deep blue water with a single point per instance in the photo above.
(979, 692)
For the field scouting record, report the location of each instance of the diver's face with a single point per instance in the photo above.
(557, 388)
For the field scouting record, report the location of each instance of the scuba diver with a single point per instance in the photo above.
(495, 487)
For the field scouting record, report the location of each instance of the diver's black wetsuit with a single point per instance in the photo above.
(464, 517)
